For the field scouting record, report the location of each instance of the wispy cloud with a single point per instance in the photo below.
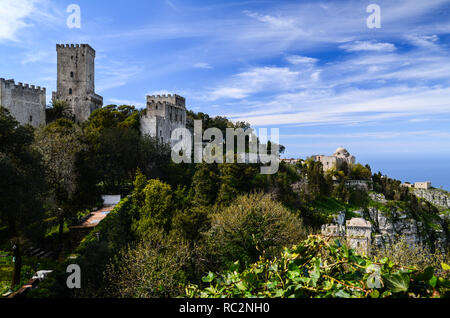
(368, 46)
(203, 65)
(297, 59)
(17, 15)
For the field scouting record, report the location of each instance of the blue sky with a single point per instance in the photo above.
(311, 68)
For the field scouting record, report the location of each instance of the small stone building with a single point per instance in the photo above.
(423, 185)
(25, 102)
(358, 232)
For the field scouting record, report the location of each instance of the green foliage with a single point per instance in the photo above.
(59, 145)
(113, 116)
(190, 223)
(59, 109)
(360, 172)
(152, 268)
(317, 269)
(205, 184)
(157, 208)
(251, 226)
(405, 254)
(21, 188)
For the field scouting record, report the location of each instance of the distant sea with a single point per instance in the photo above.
(412, 169)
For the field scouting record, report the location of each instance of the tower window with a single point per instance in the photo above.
(71, 74)
(31, 119)
(70, 91)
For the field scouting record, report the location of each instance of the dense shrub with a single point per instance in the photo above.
(419, 256)
(152, 268)
(252, 226)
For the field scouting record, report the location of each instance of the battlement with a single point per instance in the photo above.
(10, 84)
(170, 99)
(69, 47)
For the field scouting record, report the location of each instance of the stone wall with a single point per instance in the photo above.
(25, 102)
(437, 197)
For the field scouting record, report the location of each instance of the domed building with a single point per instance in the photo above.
(336, 160)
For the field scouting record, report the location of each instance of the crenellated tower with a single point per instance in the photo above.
(164, 114)
(76, 79)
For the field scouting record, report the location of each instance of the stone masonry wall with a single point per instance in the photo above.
(25, 102)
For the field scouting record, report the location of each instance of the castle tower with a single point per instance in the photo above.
(164, 114)
(76, 79)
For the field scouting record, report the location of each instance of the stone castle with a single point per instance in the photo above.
(76, 86)
(336, 160)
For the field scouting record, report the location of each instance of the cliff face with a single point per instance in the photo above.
(437, 197)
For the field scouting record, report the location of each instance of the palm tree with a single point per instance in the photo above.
(59, 109)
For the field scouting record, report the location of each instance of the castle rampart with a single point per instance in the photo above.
(24, 101)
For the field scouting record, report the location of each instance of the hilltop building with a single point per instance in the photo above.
(423, 185)
(25, 102)
(336, 160)
(164, 114)
(76, 79)
(418, 185)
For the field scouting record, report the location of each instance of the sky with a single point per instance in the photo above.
(313, 69)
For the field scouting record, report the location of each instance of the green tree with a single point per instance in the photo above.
(21, 187)
(206, 184)
(59, 144)
(157, 209)
(58, 109)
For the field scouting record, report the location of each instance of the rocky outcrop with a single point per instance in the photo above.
(439, 198)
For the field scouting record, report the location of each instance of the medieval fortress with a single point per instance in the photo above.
(76, 86)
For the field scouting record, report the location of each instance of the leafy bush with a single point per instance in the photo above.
(316, 268)
(153, 268)
(252, 226)
(157, 208)
(419, 256)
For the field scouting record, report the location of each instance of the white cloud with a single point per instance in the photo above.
(424, 41)
(278, 22)
(297, 59)
(112, 74)
(202, 65)
(368, 46)
(255, 80)
(17, 15)
(13, 17)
